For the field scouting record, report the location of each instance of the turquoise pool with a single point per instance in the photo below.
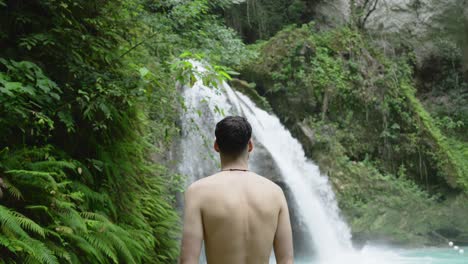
(434, 256)
(394, 256)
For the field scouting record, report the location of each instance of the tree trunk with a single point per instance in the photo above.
(465, 43)
(465, 63)
(326, 96)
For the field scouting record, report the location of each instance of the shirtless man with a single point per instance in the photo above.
(239, 214)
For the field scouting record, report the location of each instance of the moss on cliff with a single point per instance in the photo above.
(356, 113)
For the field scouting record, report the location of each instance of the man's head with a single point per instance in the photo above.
(233, 136)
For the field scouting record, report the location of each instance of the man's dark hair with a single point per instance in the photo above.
(233, 134)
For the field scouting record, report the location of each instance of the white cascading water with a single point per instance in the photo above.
(312, 192)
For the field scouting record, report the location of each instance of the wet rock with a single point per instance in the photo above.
(301, 235)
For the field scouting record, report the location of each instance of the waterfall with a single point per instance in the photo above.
(276, 155)
(312, 192)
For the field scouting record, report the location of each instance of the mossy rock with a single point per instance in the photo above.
(249, 90)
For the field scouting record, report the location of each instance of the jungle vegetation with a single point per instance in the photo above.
(89, 105)
(87, 100)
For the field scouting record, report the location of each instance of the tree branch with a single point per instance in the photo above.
(138, 44)
(371, 10)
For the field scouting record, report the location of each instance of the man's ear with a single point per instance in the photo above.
(251, 145)
(215, 146)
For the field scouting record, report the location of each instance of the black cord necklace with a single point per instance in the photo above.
(234, 170)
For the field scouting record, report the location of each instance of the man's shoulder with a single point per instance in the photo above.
(267, 182)
(266, 185)
(197, 185)
(201, 184)
(212, 182)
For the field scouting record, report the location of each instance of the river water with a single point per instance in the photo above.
(278, 153)
(395, 256)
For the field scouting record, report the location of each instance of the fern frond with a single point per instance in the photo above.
(28, 224)
(63, 205)
(126, 250)
(31, 260)
(52, 165)
(34, 251)
(38, 207)
(41, 253)
(38, 179)
(95, 199)
(87, 248)
(12, 190)
(10, 224)
(61, 252)
(95, 216)
(7, 243)
(73, 219)
(103, 244)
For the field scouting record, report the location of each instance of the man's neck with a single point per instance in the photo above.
(240, 163)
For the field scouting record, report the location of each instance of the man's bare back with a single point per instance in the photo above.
(239, 215)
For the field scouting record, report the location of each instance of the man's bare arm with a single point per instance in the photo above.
(192, 237)
(283, 243)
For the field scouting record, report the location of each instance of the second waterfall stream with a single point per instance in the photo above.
(317, 208)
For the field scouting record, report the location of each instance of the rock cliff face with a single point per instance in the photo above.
(398, 15)
(389, 15)
(412, 18)
(332, 13)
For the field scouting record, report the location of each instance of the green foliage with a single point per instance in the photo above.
(443, 88)
(187, 72)
(84, 98)
(379, 206)
(195, 27)
(88, 109)
(451, 162)
(450, 20)
(26, 99)
(338, 76)
(54, 225)
(442, 80)
(261, 19)
(451, 23)
(356, 112)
